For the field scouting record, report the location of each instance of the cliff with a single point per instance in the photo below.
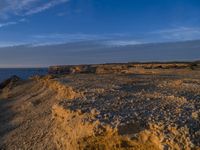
(121, 68)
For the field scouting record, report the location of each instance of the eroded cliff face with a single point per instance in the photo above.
(102, 111)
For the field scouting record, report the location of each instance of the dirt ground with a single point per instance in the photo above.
(25, 117)
(110, 111)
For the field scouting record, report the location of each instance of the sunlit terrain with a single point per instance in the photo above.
(113, 106)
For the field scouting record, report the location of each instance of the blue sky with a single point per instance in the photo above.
(116, 21)
(93, 31)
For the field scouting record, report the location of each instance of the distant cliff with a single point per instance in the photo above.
(121, 67)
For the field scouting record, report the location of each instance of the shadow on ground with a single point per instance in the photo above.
(6, 116)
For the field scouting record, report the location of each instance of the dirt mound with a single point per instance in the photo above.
(63, 91)
(25, 113)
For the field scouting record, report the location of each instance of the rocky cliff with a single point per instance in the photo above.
(121, 68)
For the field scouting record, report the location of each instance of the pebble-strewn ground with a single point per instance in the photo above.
(134, 103)
(104, 111)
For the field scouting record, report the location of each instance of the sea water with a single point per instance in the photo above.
(23, 73)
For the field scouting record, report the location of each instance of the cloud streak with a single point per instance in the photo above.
(107, 40)
(179, 34)
(26, 7)
(104, 39)
(7, 24)
(12, 23)
(123, 42)
(45, 6)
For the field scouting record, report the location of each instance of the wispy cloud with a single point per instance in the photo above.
(57, 38)
(123, 42)
(7, 24)
(84, 36)
(108, 40)
(10, 43)
(114, 39)
(69, 37)
(12, 23)
(26, 7)
(179, 34)
(45, 6)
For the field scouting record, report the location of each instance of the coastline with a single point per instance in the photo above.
(112, 106)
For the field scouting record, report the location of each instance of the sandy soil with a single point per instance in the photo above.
(108, 111)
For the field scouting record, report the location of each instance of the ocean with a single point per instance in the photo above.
(23, 73)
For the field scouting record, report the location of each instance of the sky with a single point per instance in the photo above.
(111, 23)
